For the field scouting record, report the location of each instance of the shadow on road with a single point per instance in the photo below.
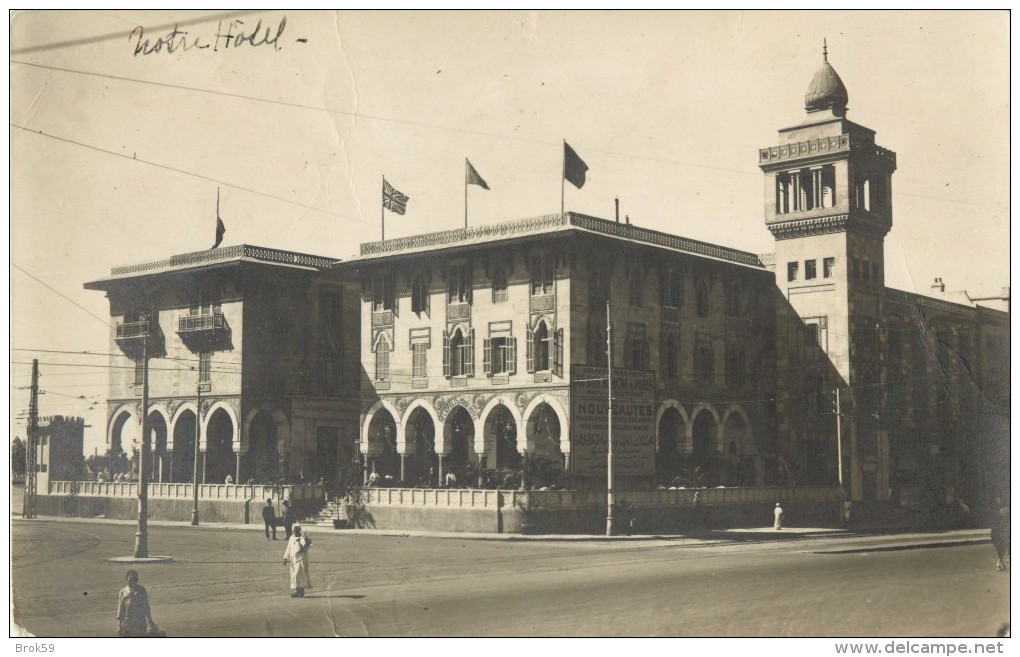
(318, 595)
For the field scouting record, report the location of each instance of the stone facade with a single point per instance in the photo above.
(272, 344)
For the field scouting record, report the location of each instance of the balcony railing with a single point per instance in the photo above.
(205, 322)
(205, 332)
(132, 337)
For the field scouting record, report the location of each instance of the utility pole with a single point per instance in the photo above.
(609, 433)
(28, 504)
(142, 537)
(198, 428)
(839, 439)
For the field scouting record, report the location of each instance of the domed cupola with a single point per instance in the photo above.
(826, 90)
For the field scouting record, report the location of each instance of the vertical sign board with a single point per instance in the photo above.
(633, 421)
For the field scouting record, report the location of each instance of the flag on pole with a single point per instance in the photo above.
(471, 176)
(220, 228)
(393, 200)
(574, 167)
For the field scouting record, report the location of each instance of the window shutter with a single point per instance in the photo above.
(511, 356)
(531, 350)
(469, 353)
(558, 354)
(663, 352)
(644, 354)
(487, 356)
(446, 354)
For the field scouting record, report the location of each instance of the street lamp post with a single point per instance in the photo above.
(199, 389)
(142, 537)
(839, 440)
(609, 429)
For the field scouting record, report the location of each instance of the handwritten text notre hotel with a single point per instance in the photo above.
(236, 34)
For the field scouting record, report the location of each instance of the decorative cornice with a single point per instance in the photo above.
(452, 237)
(806, 148)
(837, 223)
(226, 254)
(544, 226)
(811, 148)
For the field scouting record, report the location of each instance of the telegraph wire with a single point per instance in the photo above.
(189, 173)
(54, 290)
(999, 207)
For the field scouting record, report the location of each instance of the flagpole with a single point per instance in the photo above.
(466, 164)
(382, 208)
(563, 177)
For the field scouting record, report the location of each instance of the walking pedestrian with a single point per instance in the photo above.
(269, 518)
(289, 517)
(134, 617)
(778, 513)
(296, 557)
(1000, 534)
(699, 512)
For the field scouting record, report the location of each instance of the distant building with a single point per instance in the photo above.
(273, 345)
(59, 452)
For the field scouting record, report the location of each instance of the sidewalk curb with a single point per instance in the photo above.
(719, 538)
(910, 546)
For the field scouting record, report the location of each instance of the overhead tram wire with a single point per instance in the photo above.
(123, 367)
(359, 115)
(190, 173)
(419, 124)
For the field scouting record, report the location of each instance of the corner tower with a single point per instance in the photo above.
(828, 192)
(828, 204)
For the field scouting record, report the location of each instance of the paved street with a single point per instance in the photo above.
(232, 582)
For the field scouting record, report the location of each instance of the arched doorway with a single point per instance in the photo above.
(460, 435)
(705, 457)
(124, 434)
(738, 468)
(158, 463)
(263, 460)
(382, 440)
(184, 448)
(501, 433)
(220, 460)
(543, 432)
(667, 456)
(423, 462)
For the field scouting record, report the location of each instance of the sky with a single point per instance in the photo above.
(117, 155)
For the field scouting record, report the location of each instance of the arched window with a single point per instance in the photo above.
(541, 348)
(458, 353)
(703, 305)
(382, 357)
(637, 285)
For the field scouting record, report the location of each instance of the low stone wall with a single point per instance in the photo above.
(584, 512)
(126, 508)
(217, 503)
(466, 510)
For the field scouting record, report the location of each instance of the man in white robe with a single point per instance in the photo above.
(296, 556)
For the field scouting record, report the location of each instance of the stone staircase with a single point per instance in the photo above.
(326, 515)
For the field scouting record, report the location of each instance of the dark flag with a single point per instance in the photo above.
(574, 167)
(220, 228)
(471, 176)
(393, 200)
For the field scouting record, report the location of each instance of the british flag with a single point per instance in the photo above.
(393, 200)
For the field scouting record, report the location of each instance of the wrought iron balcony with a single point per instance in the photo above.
(132, 338)
(204, 333)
